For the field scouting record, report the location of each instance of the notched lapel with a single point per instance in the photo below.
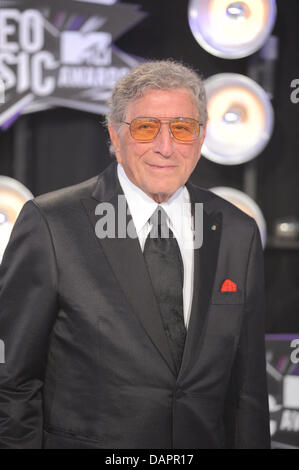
(126, 260)
(205, 264)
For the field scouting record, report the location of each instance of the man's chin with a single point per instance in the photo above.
(161, 193)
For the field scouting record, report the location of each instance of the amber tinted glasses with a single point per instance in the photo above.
(145, 129)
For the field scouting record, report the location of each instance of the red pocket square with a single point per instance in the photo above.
(229, 286)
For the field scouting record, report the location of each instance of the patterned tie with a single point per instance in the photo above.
(163, 259)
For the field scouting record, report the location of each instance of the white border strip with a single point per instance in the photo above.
(99, 2)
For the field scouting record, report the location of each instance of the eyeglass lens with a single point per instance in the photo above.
(146, 129)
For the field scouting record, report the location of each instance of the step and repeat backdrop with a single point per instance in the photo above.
(59, 60)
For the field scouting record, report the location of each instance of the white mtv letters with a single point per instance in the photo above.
(91, 48)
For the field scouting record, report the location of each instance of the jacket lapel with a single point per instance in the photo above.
(126, 259)
(205, 264)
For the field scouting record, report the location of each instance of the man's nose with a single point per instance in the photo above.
(163, 143)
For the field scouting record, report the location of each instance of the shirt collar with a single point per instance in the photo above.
(143, 206)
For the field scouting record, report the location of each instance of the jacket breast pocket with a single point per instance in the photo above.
(227, 298)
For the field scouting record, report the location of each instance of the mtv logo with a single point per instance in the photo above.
(291, 391)
(91, 48)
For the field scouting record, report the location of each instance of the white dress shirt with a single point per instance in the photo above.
(179, 220)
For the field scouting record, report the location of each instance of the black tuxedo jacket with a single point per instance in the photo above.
(87, 361)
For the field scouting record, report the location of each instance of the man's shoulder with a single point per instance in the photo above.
(214, 204)
(67, 197)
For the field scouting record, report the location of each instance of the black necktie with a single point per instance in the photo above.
(163, 258)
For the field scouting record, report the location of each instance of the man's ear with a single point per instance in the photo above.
(202, 138)
(203, 135)
(114, 137)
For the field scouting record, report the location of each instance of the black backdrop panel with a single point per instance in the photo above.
(57, 148)
(69, 147)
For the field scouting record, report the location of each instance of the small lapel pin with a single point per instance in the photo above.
(213, 228)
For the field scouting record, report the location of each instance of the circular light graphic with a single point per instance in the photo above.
(241, 119)
(246, 204)
(229, 29)
(13, 196)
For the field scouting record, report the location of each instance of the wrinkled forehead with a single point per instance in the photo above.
(171, 102)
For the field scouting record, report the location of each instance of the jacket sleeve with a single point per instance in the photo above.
(247, 419)
(28, 298)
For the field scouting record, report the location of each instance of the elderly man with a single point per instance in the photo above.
(136, 340)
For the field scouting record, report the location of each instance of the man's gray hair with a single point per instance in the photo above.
(155, 75)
